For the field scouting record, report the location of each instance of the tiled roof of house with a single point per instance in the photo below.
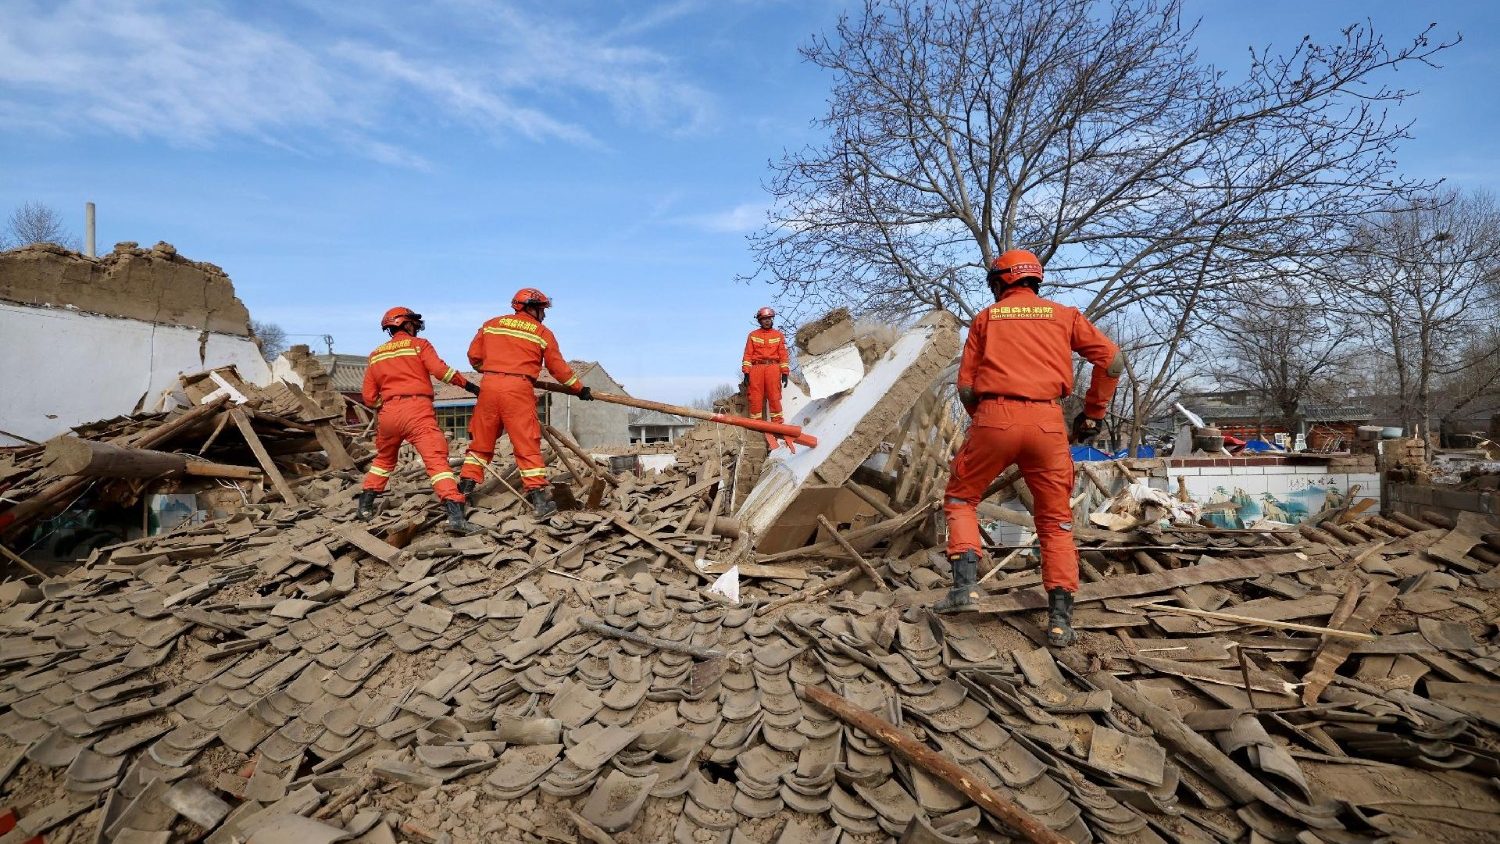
(656, 418)
(346, 371)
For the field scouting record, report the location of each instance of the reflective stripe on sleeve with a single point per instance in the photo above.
(448, 376)
(571, 381)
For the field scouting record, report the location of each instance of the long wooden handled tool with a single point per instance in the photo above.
(792, 432)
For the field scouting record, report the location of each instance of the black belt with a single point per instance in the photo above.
(988, 396)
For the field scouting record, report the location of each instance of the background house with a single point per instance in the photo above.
(1245, 414)
(654, 426)
(593, 423)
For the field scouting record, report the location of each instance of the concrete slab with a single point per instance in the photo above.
(849, 426)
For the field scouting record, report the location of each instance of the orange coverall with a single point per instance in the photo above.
(766, 360)
(399, 382)
(510, 351)
(1018, 361)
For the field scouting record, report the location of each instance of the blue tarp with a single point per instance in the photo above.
(1082, 453)
(1140, 451)
(1261, 445)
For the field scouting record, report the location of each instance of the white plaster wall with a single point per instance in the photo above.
(65, 368)
(282, 370)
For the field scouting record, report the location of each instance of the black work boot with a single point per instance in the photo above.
(965, 572)
(466, 487)
(366, 509)
(1060, 617)
(457, 524)
(543, 502)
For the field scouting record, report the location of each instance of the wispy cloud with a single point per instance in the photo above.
(191, 73)
(741, 219)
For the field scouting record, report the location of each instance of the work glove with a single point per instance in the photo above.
(586, 394)
(969, 399)
(1084, 428)
(471, 387)
(784, 379)
(745, 380)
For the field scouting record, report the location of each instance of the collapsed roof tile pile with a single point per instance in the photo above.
(288, 675)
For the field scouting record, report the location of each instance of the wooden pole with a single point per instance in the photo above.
(849, 549)
(1026, 825)
(22, 562)
(562, 454)
(242, 421)
(572, 445)
(69, 455)
(726, 526)
(790, 431)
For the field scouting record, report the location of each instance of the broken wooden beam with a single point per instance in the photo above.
(1026, 825)
(849, 549)
(69, 455)
(1211, 761)
(725, 526)
(650, 641)
(862, 539)
(623, 523)
(1252, 621)
(242, 421)
(1333, 653)
(1214, 571)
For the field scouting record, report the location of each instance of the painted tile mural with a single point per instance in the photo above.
(1287, 494)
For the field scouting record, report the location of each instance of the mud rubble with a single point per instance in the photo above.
(288, 674)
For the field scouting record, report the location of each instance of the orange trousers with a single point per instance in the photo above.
(411, 419)
(1033, 436)
(506, 405)
(765, 388)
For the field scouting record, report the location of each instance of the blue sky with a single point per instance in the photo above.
(340, 158)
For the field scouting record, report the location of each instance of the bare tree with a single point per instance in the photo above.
(1285, 351)
(35, 222)
(1423, 279)
(270, 337)
(717, 394)
(1089, 132)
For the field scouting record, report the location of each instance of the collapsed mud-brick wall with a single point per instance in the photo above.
(90, 338)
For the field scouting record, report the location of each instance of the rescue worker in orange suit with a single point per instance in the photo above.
(510, 351)
(765, 366)
(1017, 366)
(398, 381)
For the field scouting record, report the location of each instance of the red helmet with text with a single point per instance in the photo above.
(1015, 266)
(396, 317)
(528, 297)
(765, 312)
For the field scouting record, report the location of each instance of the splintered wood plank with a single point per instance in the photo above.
(1334, 651)
(368, 542)
(1214, 571)
(623, 522)
(252, 439)
(338, 457)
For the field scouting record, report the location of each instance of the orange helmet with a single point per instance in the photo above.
(1014, 266)
(765, 312)
(395, 317)
(528, 297)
